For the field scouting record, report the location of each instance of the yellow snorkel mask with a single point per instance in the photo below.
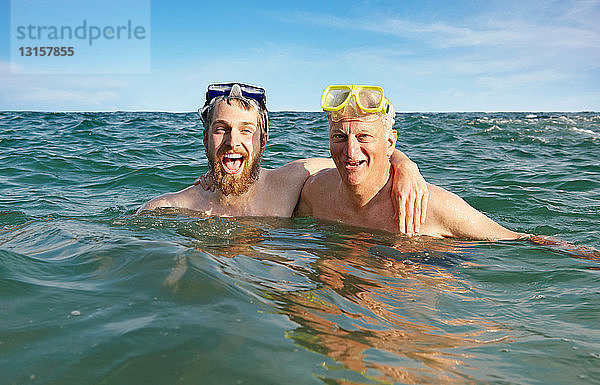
(365, 102)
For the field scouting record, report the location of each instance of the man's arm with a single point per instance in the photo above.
(154, 203)
(409, 191)
(451, 216)
(302, 208)
(409, 194)
(173, 199)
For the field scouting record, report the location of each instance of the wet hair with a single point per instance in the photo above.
(388, 119)
(209, 114)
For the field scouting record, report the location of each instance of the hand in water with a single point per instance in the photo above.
(409, 197)
(577, 251)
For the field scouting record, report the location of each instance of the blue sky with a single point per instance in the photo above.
(428, 55)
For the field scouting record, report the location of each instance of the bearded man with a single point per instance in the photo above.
(235, 136)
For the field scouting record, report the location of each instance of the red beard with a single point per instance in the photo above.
(236, 184)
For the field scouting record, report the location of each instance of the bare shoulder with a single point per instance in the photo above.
(319, 185)
(179, 199)
(314, 165)
(322, 180)
(315, 191)
(299, 170)
(449, 215)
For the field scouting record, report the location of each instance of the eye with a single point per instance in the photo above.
(338, 137)
(364, 137)
(219, 128)
(247, 129)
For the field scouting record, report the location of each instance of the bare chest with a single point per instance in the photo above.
(261, 203)
(379, 216)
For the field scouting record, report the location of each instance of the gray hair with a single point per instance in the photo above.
(388, 119)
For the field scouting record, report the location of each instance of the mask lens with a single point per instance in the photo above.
(369, 99)
(252, 92)
(220, 87)
(256, 93)
(215, 90)
(336, 97)
(214, 93)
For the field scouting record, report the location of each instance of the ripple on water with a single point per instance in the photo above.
(91, 292)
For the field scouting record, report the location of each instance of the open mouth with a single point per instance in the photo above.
(354, 165)
(232, 163)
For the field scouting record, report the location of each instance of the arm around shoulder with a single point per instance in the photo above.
(312, 165)
(297, 172)
(409, 193)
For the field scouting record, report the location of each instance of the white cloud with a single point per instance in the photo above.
(578, 27)
(444, 64)
(503, 50)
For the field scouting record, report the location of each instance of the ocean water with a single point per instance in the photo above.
(91, 294)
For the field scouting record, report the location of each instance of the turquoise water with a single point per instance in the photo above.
(93, 295)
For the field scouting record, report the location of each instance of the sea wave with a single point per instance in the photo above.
(95, 294)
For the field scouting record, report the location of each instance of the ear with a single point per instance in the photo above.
(263, 145)
(391, 141)
(205, 136)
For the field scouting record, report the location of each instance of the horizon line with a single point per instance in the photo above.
(397, 112)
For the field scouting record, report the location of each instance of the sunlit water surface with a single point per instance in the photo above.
(91, 294)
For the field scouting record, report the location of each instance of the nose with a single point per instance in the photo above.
(352, 147)
(233, 139)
